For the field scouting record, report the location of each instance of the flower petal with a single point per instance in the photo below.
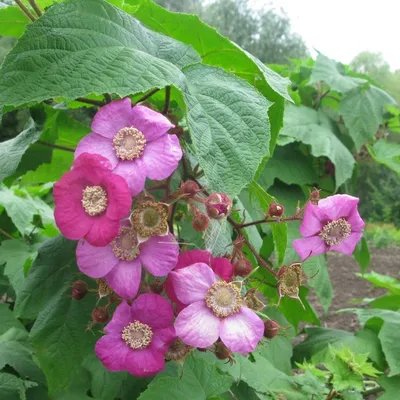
(161, 157)
(163, 338)
(241, 332)
(348, 245)
(103, 231)
(119, 200)
(97, 144)
(338, 206)
(309, 246)
(113, 117)
(146, 362)
(151, 123)
(134, 173)
(223, 268)
(197, 326)
(313, 221)
(194, 256)
(91, 161)
(153, 310)
(355, 220)
(113, 352)
(125, 278)
(159, 254)
(95, 262)
(192, 283)
(120, 319)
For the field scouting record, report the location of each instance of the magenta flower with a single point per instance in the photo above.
(135, 141)
(334, 224)
(138, 336)
(214, 309)
(120, 263)
(90, 201)
(221, 266)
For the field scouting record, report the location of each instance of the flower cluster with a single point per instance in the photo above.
(125, 244)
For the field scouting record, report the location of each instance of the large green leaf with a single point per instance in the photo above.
(391, 386)
(362, 110)
(383, 281)
(12, 21)
(361, 254)
(8, 319)
(49, 275)
(387, 154)
(333, 74)
(11, 387)
(313, 128)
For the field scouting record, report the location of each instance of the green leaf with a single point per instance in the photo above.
(11, 387)
(391, 386)
(333, 74)
(383, 281)
(97, 49)
(313, 128)
(229, 125)
(199, 380)
(321, 282)
(310, 384)
(361, 254)
(8, 319)
(48, 276)
(362, 111)
(387, 154)
(12, 21)
(386, 303)
(12, 150)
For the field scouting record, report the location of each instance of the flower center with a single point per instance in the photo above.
(126, 246)
(129, 143)
(223, 299)
(94, 200)
(335, 232)
(137, 335)
(103, 288)
(151, 219)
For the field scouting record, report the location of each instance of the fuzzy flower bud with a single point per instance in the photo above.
(271, 329)
(79, 290)
(242, 267)
(200, 222)
(100, 315)
(218, 205)
(276, 210)
(314, 197)
(190, 188)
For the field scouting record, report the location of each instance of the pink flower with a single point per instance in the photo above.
(221, 266)
(214, 310)
(138, 336)
(135, 141)
(90, 201)
(334, 224)
(120, 263)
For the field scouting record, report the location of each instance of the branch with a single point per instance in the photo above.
(98, 103)
(37, 9)
(277, 220)
(107, 98)
(374, 390)
(146, 96)
(25, 10)
(167, 99)
(56, 146)
(7, 235)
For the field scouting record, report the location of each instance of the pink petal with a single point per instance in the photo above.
(192, 257)
(113, 117)
(161, 157)
(119, 200)
(338, 206)
(192, 283)
(103, 231)
(120, 319)
(146, 362)
(223, 268)
(197, 326)
(309, 246)
(153, 310)
(91, 161)
(163, 338)
(151, 123)
(242, 331)
(97, 144)
(313, 220)
(134, 173)
(159, 254)
(113, 352)
(348, 245)
(169, 288)
(125, 278)
(355, 220)
(95, 262)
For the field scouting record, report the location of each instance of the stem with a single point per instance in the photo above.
(232, 395)
(107, 98)
(56, 146)
(261, 221)
(25, 10)
(171, 217)
(373, 391)
(37, 9)
(98, 103)
(7, 235)
(331, 394)
(167, 99)
(146, 96)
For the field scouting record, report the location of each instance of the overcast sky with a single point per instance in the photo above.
(343, 28)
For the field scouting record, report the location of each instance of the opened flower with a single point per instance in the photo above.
(221, 266)
(135, 141)
(138, 336)
(334, 224)
(120, 263)
(214, 310)
(90, 201)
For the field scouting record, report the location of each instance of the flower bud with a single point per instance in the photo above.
(314, 197)
(221, 351)
(242, 267)
(218, 205)
(276, 210)
(200, 222)
(79, 290)
(271, 329)
(156, 286)
(100, 315)
(190, 188)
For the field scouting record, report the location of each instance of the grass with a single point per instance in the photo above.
(382, 236)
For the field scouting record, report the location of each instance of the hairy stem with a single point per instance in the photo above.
(107, 98)
(146, 96)
(98, 103)
(56, 146)
(268, 221)
(35, 6)
(374, 390)
(7, 235)
(167, 100)
(25, 10)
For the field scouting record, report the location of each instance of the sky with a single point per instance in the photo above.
(341, 29)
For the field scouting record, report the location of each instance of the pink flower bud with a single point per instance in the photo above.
(271, 329)
(218, 205)
(276, 210)
(190, 188)
(100, 315)
(242, 267)
(200, 222)
(79, 290)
